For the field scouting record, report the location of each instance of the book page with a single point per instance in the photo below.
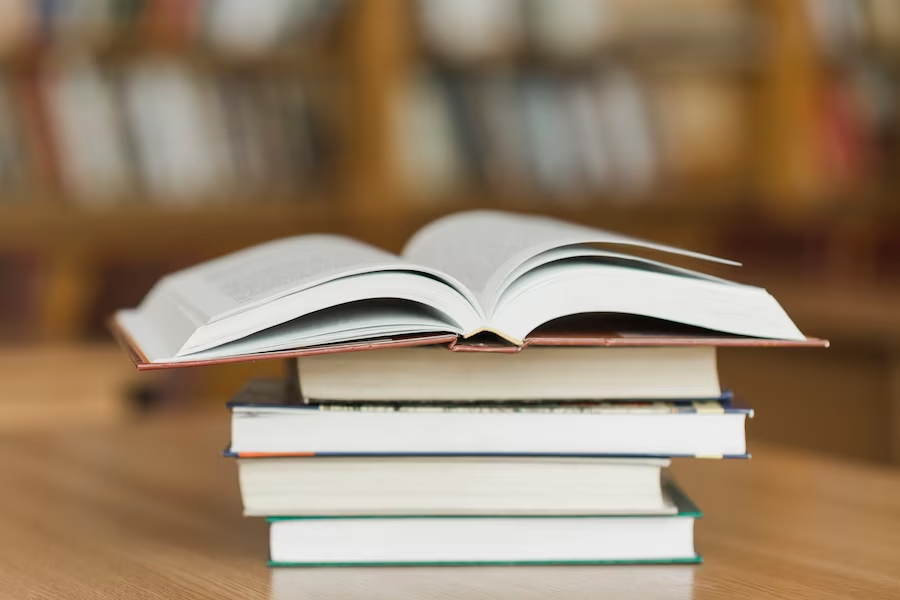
(255, 276)
(248, 278)
(483, 248)
(352, 322)
(216, 302)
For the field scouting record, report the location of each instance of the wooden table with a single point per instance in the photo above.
(150, 510)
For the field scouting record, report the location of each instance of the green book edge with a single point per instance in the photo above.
(686, 508)
(526, 563)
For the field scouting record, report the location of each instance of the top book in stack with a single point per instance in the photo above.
(518, 280)
(427, 374)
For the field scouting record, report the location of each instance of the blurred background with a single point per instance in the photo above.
(141, 136)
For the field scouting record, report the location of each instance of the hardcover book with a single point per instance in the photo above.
(429, 374)
(451, 485)
(481, 272)
(268, 428)
(414, 540)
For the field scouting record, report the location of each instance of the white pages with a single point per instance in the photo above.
(620, 430)
(457, 485)
(464, 274)
(482, 540)
(540, 373)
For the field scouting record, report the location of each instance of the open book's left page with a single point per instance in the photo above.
(244, 293)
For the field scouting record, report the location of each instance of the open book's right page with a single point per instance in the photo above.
(526, 271)
(483, 248)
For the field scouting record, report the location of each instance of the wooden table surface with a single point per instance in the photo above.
(151, 510)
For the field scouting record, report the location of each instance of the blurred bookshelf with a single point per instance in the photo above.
(680, 119)
(140, 136)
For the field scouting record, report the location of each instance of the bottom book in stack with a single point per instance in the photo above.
(573, 484)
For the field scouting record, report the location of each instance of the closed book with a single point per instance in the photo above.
(245, 28)
(551, 138)
(81, 104)
(465, 30)
(14, 173)
(501, 134)
(429, 373)
(429, 155)
(626, 119)
(571, 29)
(649, 582)
(451, 485)
(614, 429)
(175, 127)
(486, 540)
(589, 136)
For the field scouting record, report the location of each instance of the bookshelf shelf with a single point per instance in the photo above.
(249, 218)
(39, 223)
(659, 55)
(296, 60)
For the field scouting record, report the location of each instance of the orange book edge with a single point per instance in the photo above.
(457, 344)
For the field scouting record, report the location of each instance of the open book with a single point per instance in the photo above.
(473, 272)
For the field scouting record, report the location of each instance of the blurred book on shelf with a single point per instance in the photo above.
(470, 29)
(13, 154)
(232, 26)
(162, 132)
(858, 45)
(560, 137)
(161, 126)
(561, 31)
(558, 100)
(841, 27)
(19, 280)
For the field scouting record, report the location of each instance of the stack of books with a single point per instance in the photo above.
(510, 391)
